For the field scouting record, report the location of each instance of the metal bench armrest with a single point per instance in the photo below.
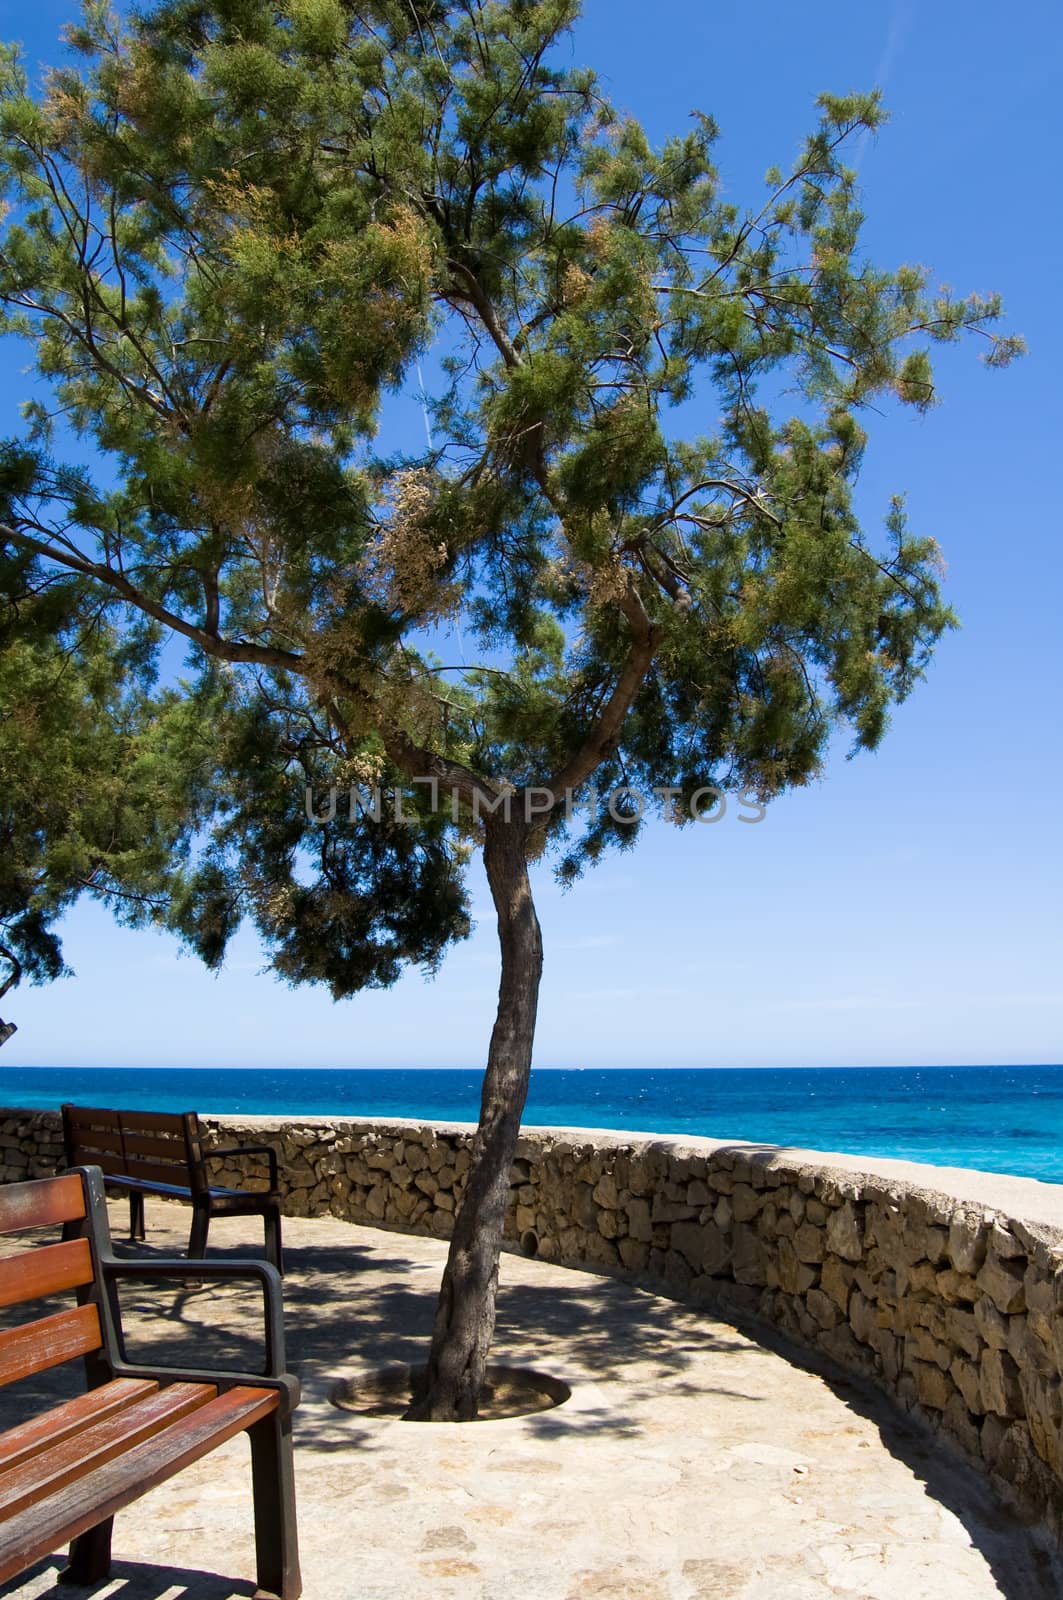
(114, 1271)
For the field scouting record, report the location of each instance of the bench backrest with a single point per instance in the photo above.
(154, 1146)
(45, 1270)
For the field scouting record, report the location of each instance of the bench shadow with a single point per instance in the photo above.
(129, 1580)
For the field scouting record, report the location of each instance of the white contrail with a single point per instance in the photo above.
(424, 405)
(900, 22)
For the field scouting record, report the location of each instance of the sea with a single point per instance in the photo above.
(997, 1119)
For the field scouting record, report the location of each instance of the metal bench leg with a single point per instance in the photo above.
(90, 1556)
(197, 1239)
(136, 1218)
(273, 1483)
(274, 1252)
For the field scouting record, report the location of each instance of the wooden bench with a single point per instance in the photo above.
(161, 1153)
(65, 1473)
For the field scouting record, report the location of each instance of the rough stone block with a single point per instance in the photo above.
(745, 1203)
(609, 1224)
(922, 1279)
(922, 1346)
(638, 1219)
(749, 1257)
(961, 1425)
(961, 1331)
(584, 1211)
(677, 1271)
(809, 1243)
(601, 1252)
(861, 1316)
(634, 1254)
(1003, 1243)
(1002, 1281)
(957, 1288)
(1000, 1386)
(844, 1233)
(967, 1241)
(702, 1245)
(967, 1378)
(1026, 1476)
(822, 1309)
(994, 1429)
(835, 1279)
(932, 1386)
(665, 1210)
(795, 1277)
(991, 1324)
(1043, 1403)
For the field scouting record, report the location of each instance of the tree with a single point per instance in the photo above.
(87, 791)
(236, 227)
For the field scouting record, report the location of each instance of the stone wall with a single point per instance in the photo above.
(945, 1287)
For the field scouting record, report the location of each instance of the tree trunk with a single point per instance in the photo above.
(465, 1315)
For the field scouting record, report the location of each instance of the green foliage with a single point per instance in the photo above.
(232, 229)
(88, 794)
(347, 905)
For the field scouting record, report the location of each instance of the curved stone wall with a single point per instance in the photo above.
(944, 1286)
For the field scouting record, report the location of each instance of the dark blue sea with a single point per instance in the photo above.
(1000, 1119)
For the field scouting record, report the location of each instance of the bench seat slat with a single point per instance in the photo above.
(157, 1171)
(52, 1267)
(69, 1418)
(224, 1202)
(91, 1140)
(118, 1180)
(92, 1116)
(40, 1203)
(36, 1346)
(239, 1202)
(150, 1121)
(80, 1505)
(62, 1463)
(157, 1146)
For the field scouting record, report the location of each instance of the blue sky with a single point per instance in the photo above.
(905, 909)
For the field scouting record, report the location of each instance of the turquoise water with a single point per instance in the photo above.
(1000, 1119)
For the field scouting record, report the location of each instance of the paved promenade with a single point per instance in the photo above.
(691, 1463)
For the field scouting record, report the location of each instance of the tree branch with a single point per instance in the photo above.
(15, 974)
(415, 760)
(606, 731)
(472, 292)
(214, 645)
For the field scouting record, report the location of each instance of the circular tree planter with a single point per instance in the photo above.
(507, 1392)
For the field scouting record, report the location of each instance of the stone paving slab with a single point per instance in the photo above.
(692, 1462)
